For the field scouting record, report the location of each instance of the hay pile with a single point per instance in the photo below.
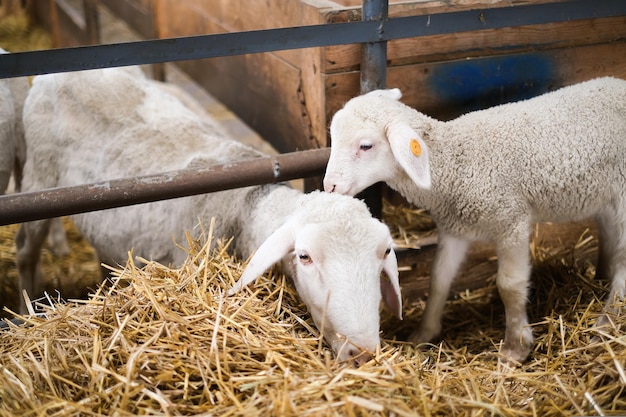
(410, 227)
(17, 31)
(167, 341)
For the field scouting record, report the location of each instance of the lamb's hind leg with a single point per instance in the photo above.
(512, 281)
(606, 245)
(29, 241)
(612, 262)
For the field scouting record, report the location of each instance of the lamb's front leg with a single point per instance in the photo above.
(512, 281)
(448, 259)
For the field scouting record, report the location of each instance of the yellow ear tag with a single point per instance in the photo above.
(416, 148)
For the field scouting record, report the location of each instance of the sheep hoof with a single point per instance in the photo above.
(605, 321)
(510, 359)
(59, 248)
(514, 354)
(60, 251)
(603, 325)
(423, 336)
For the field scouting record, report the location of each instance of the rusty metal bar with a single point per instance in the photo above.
(56, 202)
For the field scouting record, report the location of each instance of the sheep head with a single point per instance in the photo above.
(371, 142)
(336, 252)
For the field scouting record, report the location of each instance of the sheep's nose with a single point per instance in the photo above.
(360, 357)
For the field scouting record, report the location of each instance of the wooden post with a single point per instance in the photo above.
(54, 24)
(92, 22)
(158, 70)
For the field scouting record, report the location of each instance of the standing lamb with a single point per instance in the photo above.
(489, 175)
(96, 125)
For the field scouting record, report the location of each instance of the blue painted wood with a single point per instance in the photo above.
(479, 83)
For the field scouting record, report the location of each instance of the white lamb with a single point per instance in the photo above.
(96, 125)
(489, 175)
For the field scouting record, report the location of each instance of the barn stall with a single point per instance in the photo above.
(155, 340)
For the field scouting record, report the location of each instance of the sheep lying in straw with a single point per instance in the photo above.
(490, 174)
(104, 124)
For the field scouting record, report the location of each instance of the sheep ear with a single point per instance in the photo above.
(390, 287)
(411, 153)
(392, 93)
(270, 252)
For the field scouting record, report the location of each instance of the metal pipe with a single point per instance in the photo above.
(373, 77)
(56, 202)
(374, 54)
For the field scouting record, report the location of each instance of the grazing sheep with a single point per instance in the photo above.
(96, 125)
(489, 175)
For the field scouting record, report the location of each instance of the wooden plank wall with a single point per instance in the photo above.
(448, 75)
(71, 22)
(279, 94)
(138, 14)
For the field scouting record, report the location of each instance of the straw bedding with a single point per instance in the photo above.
(157, 340)
(18, 33)
(74, 275)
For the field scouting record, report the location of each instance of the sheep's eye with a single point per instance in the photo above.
(304, 258)
(387, 252)
(366, 146)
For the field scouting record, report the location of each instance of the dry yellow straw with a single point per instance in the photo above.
(165, 341)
